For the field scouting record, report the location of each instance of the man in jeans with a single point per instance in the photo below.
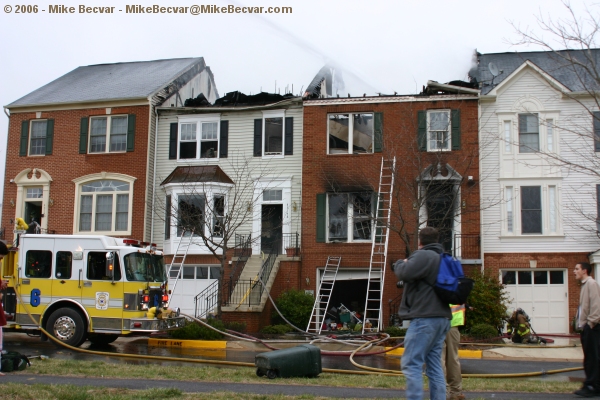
(429, 317)
(588, 320)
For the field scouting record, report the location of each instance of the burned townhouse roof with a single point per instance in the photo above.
(198, 174)
(127, 80)
(561, 65)
(238, 98)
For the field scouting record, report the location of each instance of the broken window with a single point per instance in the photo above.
(529, 133)
(350, 212)
(273, 136)
(198, 139)
(438, 131)
(187, 142)
(218, 215)
(190, 214)
(350, 133)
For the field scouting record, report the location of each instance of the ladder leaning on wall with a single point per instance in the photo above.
(317, 316)
(175, 269)
(379, 248)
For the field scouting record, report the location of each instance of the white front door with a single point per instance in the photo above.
(542, 294)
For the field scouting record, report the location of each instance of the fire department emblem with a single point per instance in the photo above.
(102, 300)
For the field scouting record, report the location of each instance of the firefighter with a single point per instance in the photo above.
(520, 328)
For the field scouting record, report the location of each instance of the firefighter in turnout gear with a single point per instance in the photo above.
(519, 327)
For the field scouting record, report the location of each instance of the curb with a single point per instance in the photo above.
(189, 344)
(461, 353)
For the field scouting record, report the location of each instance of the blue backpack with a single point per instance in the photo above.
(451, 285)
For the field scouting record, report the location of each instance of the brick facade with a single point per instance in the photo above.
(65, 164)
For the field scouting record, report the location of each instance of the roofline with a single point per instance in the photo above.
(389, 99)
(66, 105)
(538, 51)
(528, 63)
(217, 108)
(177, 75)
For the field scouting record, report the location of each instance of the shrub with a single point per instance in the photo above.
(276, 329)
(236, 326)
(296, 306)
(483, 331)
(488, 301)
(195, 331)
(394, 331)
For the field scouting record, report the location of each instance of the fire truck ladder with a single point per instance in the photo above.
(175, 268)
(379, 248)
(319, 310)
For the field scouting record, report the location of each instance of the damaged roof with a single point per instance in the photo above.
(238, 98)
(119, 81)
(556, 64)
(198, 174)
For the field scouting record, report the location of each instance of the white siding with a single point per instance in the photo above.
(240, 151)
(527, 91)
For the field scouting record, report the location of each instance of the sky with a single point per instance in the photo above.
(382, 46)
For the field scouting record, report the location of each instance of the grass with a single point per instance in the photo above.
(200, 373)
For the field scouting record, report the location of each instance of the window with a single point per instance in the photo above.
(273, 141)
(272, 195)
(34, 193)
(529, 133)
(38, 264)
(438, 130)
(218, 215)
(190, 214)
(350, 133)
(97, 269)
(64, 264)
(550, 134)
(274, 134)
(350, 216)
(552, 208)
(37, 144)
(104, 206)
(199, 138)
(531, 209)
(507, 137)
(110, 129)
(509, 209)
(200, 272)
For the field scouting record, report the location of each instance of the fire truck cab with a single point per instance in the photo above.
(80, 287)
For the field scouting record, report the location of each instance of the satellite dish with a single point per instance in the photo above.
(493, 69)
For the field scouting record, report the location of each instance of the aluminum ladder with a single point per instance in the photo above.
(176, 267)
(379, 249)
(317, 316)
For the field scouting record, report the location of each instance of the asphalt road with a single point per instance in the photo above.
(34, 347)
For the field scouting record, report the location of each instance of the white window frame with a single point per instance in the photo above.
(351, 115)
(350, 220)
(30, 138)
(273, 114)
(79, 182)
(429, 130)
(108, 133)
(199, 121)
(550, 191)
(548, 133)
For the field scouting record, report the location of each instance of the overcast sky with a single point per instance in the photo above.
(383, 46)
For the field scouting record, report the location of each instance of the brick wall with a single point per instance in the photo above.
(65, 164)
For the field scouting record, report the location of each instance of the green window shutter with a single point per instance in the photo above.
(224, 140)
(130, 131)
(455, 115)
(378, 124)
(24, 138)
(49, 136)
(422, 130)
(289, 136)
(83, 135)
(258, 137)
(321, 216)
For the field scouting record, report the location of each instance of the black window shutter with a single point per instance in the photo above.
(422, 130)
(455, 115)
(83, 135)
(378, 133)
(168, 217)
(49, 136)
(596, 116)
(24, 138)
(130, 132)
(173, 142)
(321, 216)
(258, 137)
(224, 141)
(289, 136)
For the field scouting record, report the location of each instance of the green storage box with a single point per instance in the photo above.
(345, 317)
(303, 360)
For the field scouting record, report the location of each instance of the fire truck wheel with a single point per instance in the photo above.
(102, 338)
(67, 325)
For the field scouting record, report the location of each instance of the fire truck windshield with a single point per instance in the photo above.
(144, 267)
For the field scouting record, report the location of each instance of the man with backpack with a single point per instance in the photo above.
(429, 317)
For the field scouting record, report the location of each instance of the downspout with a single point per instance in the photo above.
(154, 175)
(481, 235)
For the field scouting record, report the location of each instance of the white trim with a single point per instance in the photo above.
(198, 120)
(22, 181)
(528, 64)
(273, 114)
(428, 130)
(108, 133)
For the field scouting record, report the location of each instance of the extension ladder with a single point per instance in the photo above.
(379, 248)
(317, 316)
(174, 270)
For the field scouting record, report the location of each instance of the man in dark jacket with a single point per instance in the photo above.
(429, 317)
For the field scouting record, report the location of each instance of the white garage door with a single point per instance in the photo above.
(542, 294)
(195, 279)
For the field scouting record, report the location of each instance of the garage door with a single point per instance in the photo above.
(194, 279)
(542, 294)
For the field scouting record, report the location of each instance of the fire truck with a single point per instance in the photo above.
(80, 287)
